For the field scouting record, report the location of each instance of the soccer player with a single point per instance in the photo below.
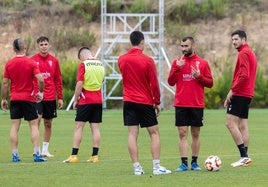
(191, 74)
(88, 103)
(47, 108)
(141, 97)
(20, 72)
(239, 97)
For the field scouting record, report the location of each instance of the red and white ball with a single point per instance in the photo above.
(213, 163)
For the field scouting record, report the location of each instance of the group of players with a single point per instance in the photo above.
(36, 85)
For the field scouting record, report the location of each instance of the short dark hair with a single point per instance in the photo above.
(136, 37)
(18, 44)
(41, 39)
(81, 49)
(188, 38)
(240, 33)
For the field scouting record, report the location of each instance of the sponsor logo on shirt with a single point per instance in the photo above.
(187, 77)
(93, 63)
(46, 75)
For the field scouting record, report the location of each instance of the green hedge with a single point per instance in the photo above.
(214, 97)
(69, 71)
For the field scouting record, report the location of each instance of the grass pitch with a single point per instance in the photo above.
(115, 168)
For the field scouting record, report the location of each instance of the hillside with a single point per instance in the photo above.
(213, 36)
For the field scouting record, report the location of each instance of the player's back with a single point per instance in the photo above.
(21, 70)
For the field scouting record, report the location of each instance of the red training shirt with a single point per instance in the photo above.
(140, 82)
(190, 90)
(50, 70)
(21, 71)
(244, 77)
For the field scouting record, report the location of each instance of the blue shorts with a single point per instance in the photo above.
(139, 114)
(26, 109)
(185, 116)
(47, 109)
(239, 106)
(89, 112)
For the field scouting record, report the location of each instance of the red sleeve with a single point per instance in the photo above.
(80, 72)
(58, 81)
(155, 85)
(173, 74)
(35, 60)
(6, 74)
(243, 72)
(205, 77)
(36, 68)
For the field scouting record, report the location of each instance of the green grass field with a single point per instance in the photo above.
(115, 168)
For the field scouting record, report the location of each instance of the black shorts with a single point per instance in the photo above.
(48, 109)
(89, 112)
(139, 114)
(239, 106)
(26, 109)
(185, 116)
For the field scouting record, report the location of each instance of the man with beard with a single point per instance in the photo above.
(191, 74)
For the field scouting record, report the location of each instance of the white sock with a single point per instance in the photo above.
(156, 164)
(45, 147)
(37, 150)
(136, 165)
(15, 152)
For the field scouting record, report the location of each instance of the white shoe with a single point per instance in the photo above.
(244, 161)
(138, 171)
(161, 171)
(47, 154)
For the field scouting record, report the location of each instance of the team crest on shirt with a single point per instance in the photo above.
(50, 63)
(197, 63)
(37, 63)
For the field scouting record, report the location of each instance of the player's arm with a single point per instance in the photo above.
(41, 85)
(41, 82)
(157, 110)
(4, 90)
(243, 73)
(173, 74)
(205, 77)
(78, 90)
(228, 98)
(58, 85)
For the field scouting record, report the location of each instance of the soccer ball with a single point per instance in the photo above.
(213, 163)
